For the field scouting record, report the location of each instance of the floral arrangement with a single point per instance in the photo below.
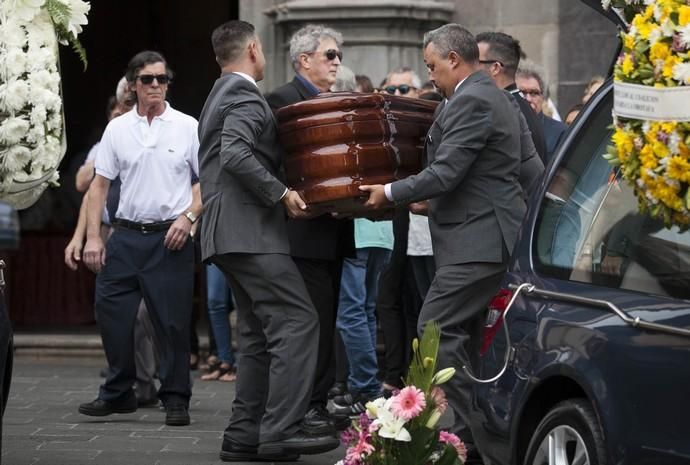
(654, 155)
(402, 430)
(32, 141)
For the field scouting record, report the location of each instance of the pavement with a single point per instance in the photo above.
(42, 426)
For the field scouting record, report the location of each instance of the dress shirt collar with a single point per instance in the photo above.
(313, 90)
(246, 76)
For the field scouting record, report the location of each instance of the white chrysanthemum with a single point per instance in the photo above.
(21, 10)
(655, 35)
(44, 79)
(12, 34)
(43, 58)
(41, 31)
(54, 121)
(13, 129)
(606, 4)
(668, 29)
(13, 63)
(646, 126)
(39, 115)
(51, 155)
(42, 96)
(14, 95)
(16, 158)
(684, 33)
(681, 73)
(36, 135)
(78, 10)
(674, 142)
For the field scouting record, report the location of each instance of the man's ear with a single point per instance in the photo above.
(304, 60)
(454, 59)
(251, 47)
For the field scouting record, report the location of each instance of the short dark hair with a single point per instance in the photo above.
(138, 61)
(364, 82)
(453, 38)
(229, 39)
(503, 48)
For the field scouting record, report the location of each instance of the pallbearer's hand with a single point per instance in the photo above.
(94, 254)
(377, 196)
(419, 208)
(295, 205)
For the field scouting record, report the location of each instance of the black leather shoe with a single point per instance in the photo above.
(318, 421)
(232, 451)
(176, 415)
(300, 443)
(101, 408)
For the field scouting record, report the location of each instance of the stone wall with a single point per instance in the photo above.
(569, 40)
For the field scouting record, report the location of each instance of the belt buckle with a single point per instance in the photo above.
(145, 229)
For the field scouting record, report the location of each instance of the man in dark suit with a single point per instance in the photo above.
(499, 55)
(244, 234)
(317, 245)
(532, 86)
(475, 206)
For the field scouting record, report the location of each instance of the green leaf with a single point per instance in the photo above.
(421, 373)
(687, 198)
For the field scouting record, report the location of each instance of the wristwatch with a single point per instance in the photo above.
(191, 216)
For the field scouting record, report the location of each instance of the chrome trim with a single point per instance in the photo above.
(605, 304)
(2, 274)
(510, 351)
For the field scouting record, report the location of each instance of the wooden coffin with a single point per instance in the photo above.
(338, 141)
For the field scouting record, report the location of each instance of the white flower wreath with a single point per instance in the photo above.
(32, 138)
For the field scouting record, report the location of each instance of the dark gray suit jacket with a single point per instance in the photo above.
(473, 164)
(240, 163)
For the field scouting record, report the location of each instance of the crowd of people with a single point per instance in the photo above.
(311, 290)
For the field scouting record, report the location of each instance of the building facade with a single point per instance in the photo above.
(569, 40)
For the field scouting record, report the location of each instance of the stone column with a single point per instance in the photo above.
(379, 35)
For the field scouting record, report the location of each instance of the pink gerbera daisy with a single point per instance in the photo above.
(453, 440)
(408, 403)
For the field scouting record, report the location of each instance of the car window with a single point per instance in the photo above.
(589, 229)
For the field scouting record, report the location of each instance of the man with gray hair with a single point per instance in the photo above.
(475, 203)
(403, 81)
(317, 245)
(531, 84)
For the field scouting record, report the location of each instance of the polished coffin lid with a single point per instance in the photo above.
(338, 141)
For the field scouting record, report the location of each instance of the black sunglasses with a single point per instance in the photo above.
(403, 88)
(331, 54)
(147, 79)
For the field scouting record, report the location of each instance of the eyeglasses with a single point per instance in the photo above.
(403, 88)
(531, 93)
(147, 79)
(490, 62)
(331, 53)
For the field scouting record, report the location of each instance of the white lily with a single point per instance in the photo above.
(443, 375)
(391, 426)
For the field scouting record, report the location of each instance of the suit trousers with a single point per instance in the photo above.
(457, 300)
(320, 278)
(140, 266)
(278, 332)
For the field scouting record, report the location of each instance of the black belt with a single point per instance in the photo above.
(144, 228)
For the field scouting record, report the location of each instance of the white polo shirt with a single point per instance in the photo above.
(155, 163)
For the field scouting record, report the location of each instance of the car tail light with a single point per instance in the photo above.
(494, 318)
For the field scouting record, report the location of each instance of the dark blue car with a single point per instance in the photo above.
(594, 368)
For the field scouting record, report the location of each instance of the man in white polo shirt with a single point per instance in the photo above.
(153, 149)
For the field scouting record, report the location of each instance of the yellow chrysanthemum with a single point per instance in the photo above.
(628, 65)
(678, 168)
(643, 26)
(669, 63)
(659, 51)
(647, 157)
(684, 15)
(628, 41)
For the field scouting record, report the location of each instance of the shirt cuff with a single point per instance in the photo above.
(387, 191)
(284, 194)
